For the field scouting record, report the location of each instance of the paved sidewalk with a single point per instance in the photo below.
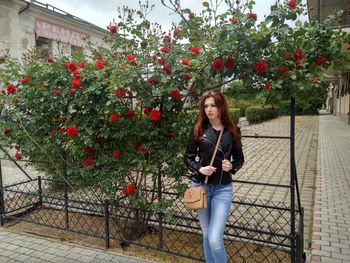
(331, 229)
(29, 249)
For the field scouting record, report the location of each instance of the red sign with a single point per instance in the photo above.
(66, 35)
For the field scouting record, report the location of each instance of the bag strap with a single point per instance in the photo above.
(214, 153)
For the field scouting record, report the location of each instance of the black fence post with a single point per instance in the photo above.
(300, 239)
(292, 178)
(2, 201)
(106, 208)
(161, 240)
(64, 172)
(40, 191)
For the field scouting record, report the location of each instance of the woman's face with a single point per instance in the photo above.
(210, 109)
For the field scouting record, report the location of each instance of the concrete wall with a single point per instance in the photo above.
(17, 31)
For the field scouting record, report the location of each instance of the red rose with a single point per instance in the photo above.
(11, 89)
(267, 85)
(161, 61)
(313, 81)
(56, 92)
(166, 39)
(252, 15)
(114, 117)
(121, 92)
(186, 77)
(71, 65)
(81, 64)
(89, 150)
(195, 51)
(147, 110)
(76, 83)
(76, 74)
(153, 80)
(155, 115)
(112, 29)
(50, 59)
(167, 69)
(129, 114)
(17, 147)
(287, 55)
(18, 156)
(136, 144)
(89, 162)
(8, 132)
(190, 15)
(261, 67)
(71, 91)
(129, 189)
(116, 154)
(177, 32)
(72, 131)
(130, 57)
(100, 64)
(154, 57)
(292, 4)
(63, 130)
(217, 65)
(233, 20)
(185, 62)
(143, 149)
(175, 94)
(283, 69)
(165, 50)
(25, 80)
(320, 60)
(298, 55)
(230, 63)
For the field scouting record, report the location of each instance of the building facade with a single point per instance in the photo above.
(28, 25)
(338, 101)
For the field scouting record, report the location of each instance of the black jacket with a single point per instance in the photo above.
(204, 148)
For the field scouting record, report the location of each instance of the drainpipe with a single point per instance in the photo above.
(24, 8)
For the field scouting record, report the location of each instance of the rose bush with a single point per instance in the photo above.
(119, 118)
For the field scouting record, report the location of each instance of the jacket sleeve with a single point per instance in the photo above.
(237, 159)
(190, 155)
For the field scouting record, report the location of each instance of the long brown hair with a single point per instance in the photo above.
(221, 104)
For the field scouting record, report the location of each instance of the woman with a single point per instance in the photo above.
(213, 117)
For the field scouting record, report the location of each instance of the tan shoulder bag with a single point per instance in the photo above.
(194, 197)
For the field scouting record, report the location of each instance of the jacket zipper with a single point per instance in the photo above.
(214, 146)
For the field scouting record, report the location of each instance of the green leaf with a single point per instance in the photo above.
(293, 77)
(298, 23)
(205, 4)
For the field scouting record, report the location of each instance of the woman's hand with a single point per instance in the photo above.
(207, 170)
(226, 165)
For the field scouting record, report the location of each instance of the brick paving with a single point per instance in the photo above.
(331, 222)
(268, 161)
(31, 249)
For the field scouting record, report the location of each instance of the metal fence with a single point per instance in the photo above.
(256, 231)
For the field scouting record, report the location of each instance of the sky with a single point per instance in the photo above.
(102, 12)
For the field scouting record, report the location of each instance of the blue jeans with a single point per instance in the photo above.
(213, 221)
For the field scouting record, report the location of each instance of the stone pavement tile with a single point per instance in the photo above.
(73, 256)
(331, 236)
(3, 259)
(86, 259)
(20, 257)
